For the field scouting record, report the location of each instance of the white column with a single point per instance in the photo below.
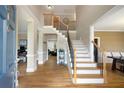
(40, 47)
(58, 46)
(91, 44)
(31, 56)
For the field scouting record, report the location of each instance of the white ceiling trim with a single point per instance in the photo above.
(98, 30)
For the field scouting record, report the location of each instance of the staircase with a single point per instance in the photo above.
(86, 70)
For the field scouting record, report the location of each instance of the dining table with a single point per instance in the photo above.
(117, 59)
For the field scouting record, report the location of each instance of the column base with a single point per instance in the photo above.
(31, 63)
(30, 70)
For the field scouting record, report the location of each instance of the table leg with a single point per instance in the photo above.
(114, 64)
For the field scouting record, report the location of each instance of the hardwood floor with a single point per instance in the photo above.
(48, 75)
(52, 75)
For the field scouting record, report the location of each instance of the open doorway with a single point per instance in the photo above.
(22, 52)
(52, 51)
(51, 46)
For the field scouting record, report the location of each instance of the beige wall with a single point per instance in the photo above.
(111, 41)
(86, 15)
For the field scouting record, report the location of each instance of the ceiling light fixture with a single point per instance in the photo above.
(50, 6)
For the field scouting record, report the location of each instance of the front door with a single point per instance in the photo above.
(7, 50)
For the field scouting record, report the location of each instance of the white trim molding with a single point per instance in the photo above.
(90, 43)
(105, 30)
(40, 58)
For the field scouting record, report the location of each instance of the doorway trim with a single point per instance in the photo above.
(47, 45)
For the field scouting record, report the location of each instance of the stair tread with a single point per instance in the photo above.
(89, 76)
(87, 68)
(82, 53)
(78, 44)
(81, 48)
(82, 56)
(86, 62)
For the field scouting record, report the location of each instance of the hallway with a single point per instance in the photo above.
(48, 75)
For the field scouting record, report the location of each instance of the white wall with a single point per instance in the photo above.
(24, 12)
(86, 15)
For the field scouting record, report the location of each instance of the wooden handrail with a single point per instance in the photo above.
(96, 45)
(63, 23)
(75, 68)
(104, 64)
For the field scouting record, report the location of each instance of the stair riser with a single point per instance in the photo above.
(77, 49)
(83, 59)
(89, 81)
(76, 42)
(85, 65)
(82, 52)
(81, 48)
(82, 55)
(88, 72)
(79, 45)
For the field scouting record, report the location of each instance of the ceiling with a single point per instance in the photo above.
(112, 20)
(59, 9)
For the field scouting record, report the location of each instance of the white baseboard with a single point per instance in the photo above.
(40, 62)
(30, 70)
(17, 83)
